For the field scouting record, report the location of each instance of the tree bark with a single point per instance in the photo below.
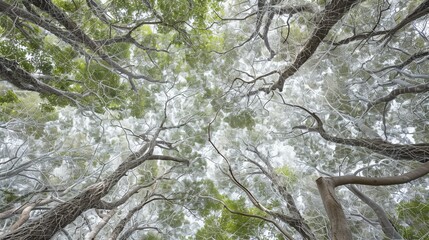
(327, 185)
(339, 227)
(332, 13)
(54, 220)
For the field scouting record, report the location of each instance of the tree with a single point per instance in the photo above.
(213, 119)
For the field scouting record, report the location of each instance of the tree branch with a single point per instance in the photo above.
(332, 13)
(327, 185)
(13, 73)
(60, 216)
(421, 88)
(383, 219)
(419, 12)
(413, 152)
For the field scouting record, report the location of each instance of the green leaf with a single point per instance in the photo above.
(8, 97)
(242, 119)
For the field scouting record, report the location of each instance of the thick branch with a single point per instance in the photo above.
(13, 73)
(52, 221)
(272, 11)
(419, 12)
(339, 228)
(413, 152)
(333, 12)
(326, 186)
(383, 181)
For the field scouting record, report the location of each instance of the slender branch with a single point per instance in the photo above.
(92, 234)
(411, 59)
(383, 219)
(357, 37)
(121, 225)
(168, 158)
(279, 227)
(421, 88)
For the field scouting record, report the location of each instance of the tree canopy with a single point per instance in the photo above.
(210, 119)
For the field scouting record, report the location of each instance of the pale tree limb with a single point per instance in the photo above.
(421, 171)
(19, 210)
(25, 215)
(326, 185)
(121, 224)
(386, 225)
(383, 219)
(26, 210)
(97, 228)
(340, 230)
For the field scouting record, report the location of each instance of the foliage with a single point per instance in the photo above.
(210, 119)
(231, 226)
(412, 216)
(8, 97)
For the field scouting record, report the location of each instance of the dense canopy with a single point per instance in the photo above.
(211, 119)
